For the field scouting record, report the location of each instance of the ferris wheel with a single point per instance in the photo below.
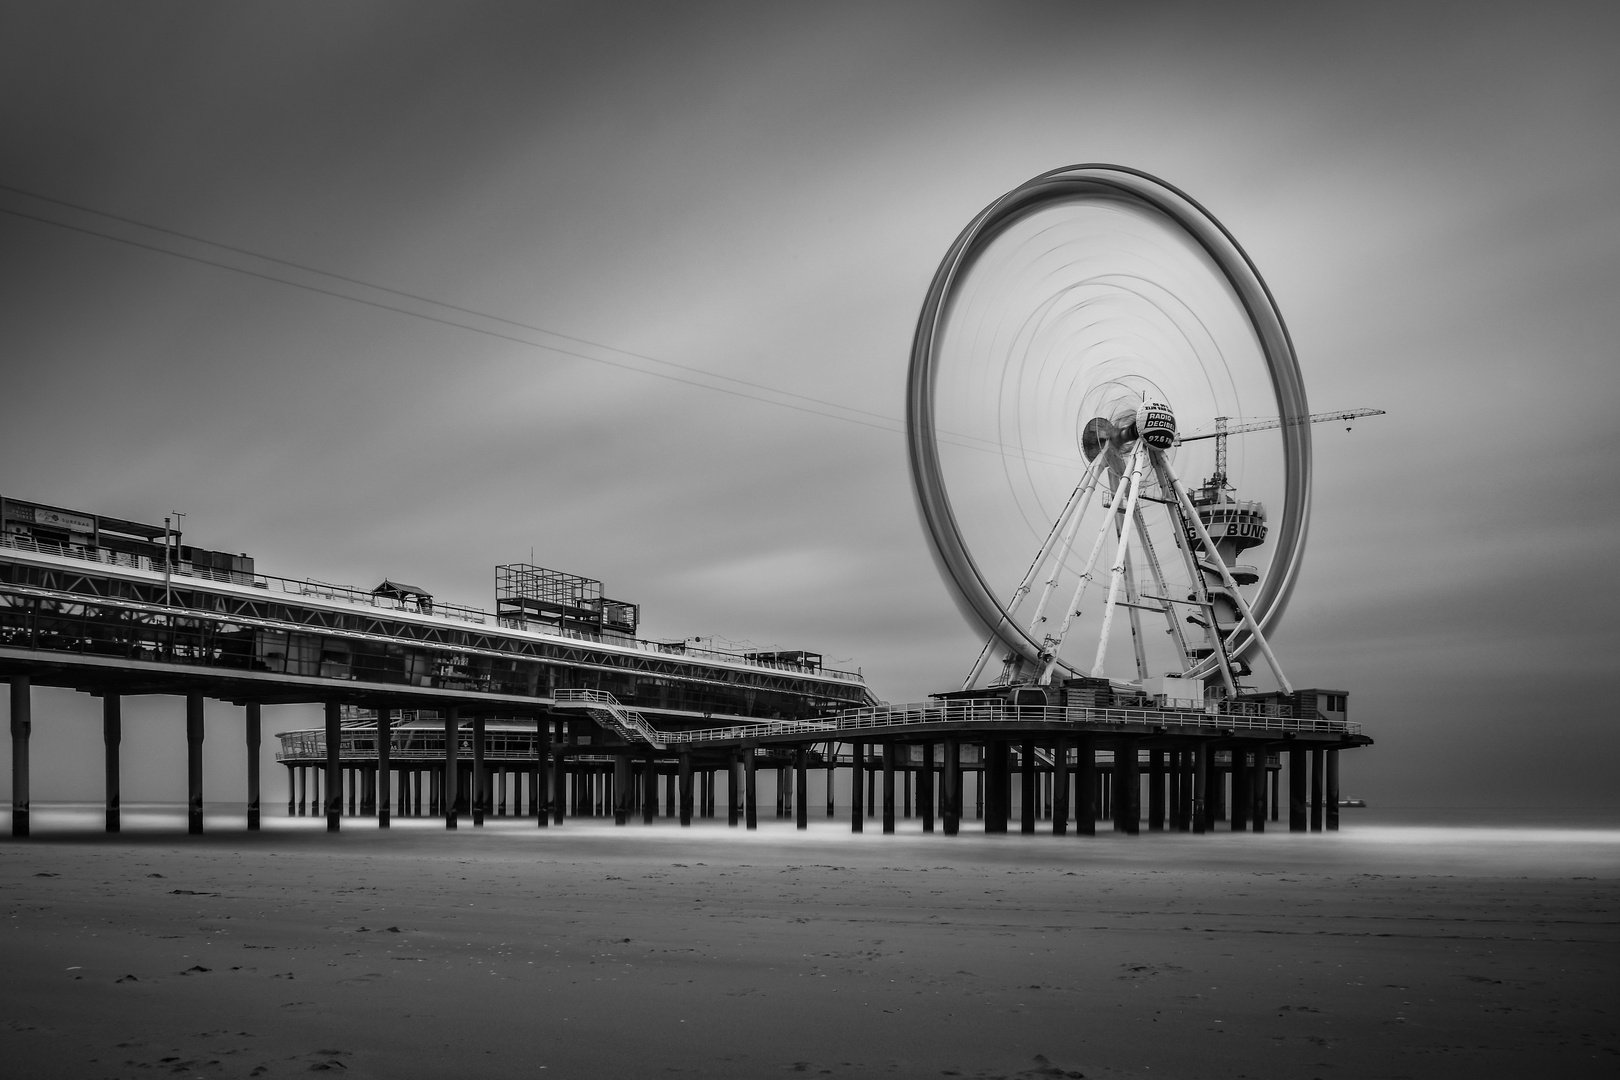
(1078, 335)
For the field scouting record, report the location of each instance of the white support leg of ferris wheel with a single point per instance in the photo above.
(1054, 642)
(1073, 511)
(1117, 577)
(1200, 590)
(1173, 627)
(1197, 523)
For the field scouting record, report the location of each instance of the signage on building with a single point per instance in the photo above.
(61, 519)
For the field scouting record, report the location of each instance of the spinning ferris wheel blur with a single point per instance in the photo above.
(1074, 331)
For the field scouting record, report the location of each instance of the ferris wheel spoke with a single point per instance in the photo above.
(1116, 576)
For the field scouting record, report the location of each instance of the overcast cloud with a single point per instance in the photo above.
(763, 192)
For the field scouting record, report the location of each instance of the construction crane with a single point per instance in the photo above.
(1218, 479)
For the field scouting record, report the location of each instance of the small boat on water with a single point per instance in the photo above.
(1353, 802)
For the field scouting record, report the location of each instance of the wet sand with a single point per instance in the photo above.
(590, 951)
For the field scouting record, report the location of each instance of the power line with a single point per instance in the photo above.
(863, 417)
(411, 296)
(442, 321)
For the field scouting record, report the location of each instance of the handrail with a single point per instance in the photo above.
(630, 724)
(359, 597)
(970, 711)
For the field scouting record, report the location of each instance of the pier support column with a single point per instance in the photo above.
(1185, 821)
(832, 777)
(950, 784)
(685, 770)
(252, 729)
(1029, 789)
(750, 787)
(734, 789)
(303, 790)
(801, 787)
(926, 786)
(540, 784)
(1127, 789)
(1238, 810)
(857, 782)
(480, 775)
(1298, 804)
(649, 789)
(1155, 791)
(623, 790)
(385, 766)
(22, 726)
(452, 765)
(1085, 785)
(1258, 791)
(1201, 754)
(292, 790)
(888, 788)
(112, 734)
(334, 766)
(559, 778)
(996, 780)
(1317, 785)
(1060, 785)
(194, 763)
(1332, 808)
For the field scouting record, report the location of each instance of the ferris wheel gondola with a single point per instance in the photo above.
(1071, 329)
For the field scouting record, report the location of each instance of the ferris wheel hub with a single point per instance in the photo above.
(1152, 420)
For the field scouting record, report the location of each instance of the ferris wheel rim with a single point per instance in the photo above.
(950, 550)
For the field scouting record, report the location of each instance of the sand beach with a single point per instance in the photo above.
(1385, 950)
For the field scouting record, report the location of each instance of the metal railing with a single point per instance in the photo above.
(349, 594)
(413, 745)
(606, 710)
(680, 649)
(990, 712)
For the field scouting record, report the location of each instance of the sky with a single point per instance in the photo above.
(642, 237)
